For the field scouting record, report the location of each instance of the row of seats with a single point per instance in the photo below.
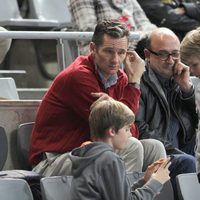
(58, 187)
(23, 139)
(49, 14)
(9, 90)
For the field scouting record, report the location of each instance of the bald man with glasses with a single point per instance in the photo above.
(167, 103)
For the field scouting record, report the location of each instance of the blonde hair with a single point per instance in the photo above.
(109, 114)
(190, 45)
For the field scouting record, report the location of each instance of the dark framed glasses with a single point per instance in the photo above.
(164, 55)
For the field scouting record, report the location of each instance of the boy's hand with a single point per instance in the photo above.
(162, 173)
(152, 168)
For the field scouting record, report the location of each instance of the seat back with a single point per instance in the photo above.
(3, 147)
(51, 10)
(23, 142)
(8, 89)
(188, 187)
(12, 189)
(9, 10)
(56, 187)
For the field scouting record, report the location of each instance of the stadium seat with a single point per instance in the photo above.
(8, 89)
(45, 10)
(23, 141)
(188, 187)
(14, 189)
(10, 17)
(56, 187)
(3, 147)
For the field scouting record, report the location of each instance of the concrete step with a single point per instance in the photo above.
(18, 75)
(31, 93)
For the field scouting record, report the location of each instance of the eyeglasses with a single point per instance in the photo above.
(164, 55)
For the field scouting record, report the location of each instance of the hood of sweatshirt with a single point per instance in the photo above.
(83, 156)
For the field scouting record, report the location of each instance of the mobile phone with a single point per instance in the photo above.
(171, 157)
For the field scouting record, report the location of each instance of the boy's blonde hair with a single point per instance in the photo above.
(190, 45)
(109, 114)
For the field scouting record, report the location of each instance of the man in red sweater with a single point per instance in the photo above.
(62, 119)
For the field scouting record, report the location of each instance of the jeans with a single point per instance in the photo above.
(181, 164)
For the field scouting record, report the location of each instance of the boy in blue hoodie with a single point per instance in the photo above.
(99, 173)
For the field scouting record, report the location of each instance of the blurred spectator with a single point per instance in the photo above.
(179, 16)
(4, 45)
(87, 13)
(190, 55)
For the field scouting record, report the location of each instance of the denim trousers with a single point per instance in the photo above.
(181, 164)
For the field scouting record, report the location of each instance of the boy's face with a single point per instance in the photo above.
(194, 63)
(120, 138)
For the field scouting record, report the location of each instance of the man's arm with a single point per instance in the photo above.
(165, 15)
(120, 188)
(192, 9)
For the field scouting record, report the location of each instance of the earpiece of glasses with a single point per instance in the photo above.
(164, 55)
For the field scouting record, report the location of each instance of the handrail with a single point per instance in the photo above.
(55, 35)
(59, 35)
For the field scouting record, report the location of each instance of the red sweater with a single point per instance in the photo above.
(62, 119)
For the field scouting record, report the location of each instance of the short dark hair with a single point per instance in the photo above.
(148, 42)
(113, 28)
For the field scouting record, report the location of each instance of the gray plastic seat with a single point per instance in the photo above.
(8, 89)
(14, 189)
(23, 142)
(3, 147)
(188, 186)
(56, 187)
(46, 10)
(10, 17)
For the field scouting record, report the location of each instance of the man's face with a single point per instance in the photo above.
(110, 55)
(163, 55)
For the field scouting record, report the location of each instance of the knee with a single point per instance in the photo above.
(135, 146)
(184, 162)
(156, 147)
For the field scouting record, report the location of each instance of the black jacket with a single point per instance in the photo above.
(163, 15)
(153, 116)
